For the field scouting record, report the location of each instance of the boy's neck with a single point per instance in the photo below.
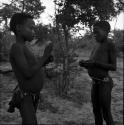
(20, 40)
(103, 40)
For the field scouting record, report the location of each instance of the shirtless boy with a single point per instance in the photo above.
(27, 69)
(102, 60)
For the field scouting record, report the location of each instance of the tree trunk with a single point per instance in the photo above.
(6, 23)
(66, 65)
(23, 6)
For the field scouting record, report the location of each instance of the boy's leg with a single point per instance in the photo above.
(96, 105)
(36, 101)
(105, 96)
(27, 111)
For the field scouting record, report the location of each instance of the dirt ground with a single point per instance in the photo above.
(75, 110)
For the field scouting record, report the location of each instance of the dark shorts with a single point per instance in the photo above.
(101, 100)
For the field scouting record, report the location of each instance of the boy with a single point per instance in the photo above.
(102, 60)
(27, 69)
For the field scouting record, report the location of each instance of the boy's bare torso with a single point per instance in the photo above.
(101, 53)
(33, 84)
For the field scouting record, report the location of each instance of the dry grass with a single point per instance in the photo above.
(74, 110)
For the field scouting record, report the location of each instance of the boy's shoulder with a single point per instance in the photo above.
(111, 45)
(15, 48)
(110, 41)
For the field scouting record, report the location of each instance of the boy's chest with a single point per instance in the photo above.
(100, 53)
(30, 57)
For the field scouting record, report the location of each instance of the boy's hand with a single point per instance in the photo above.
(49, 59)
(81, 63)
(48, 50)
(87, 63)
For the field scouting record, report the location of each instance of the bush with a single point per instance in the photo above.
(119, 41)
(6, 42)
(87, 42)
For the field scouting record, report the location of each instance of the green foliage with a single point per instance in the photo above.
(33, 7)
(119, 40)
(30, 6)
(56, 35)
(0, 46)
(42, 32)
(6, 12)
(5, 44)
(87, 42)
(70, 12)
(59, 53)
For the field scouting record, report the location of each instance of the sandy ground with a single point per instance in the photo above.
(74, 110)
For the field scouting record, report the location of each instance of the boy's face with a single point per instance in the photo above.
(99, 33)
(27, 30)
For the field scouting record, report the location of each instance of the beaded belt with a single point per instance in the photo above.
(22, 94)
(104, 80)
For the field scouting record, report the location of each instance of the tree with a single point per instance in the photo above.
(118, 38)
(86, 11)
(35, 8)
(121, 2)
(6, 12)
(42, 32)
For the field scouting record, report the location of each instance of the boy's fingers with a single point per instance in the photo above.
(50, 46)
(81, 61)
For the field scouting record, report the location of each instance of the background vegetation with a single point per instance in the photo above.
(64, 85)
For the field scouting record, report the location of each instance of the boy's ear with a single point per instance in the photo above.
(18, 27)
(106, 33)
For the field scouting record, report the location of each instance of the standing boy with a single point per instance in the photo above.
(27, 69)
(102, 60)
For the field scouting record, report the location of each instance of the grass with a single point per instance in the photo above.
(76, 109)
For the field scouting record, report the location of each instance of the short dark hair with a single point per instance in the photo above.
(104, 25)
(18, 18)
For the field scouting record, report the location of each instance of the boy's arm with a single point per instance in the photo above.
(22, 64)
(47, 53)
(86, 64)
(49, 60)
(112, 59)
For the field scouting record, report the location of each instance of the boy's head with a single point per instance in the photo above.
(22, 25)
(101, 30)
